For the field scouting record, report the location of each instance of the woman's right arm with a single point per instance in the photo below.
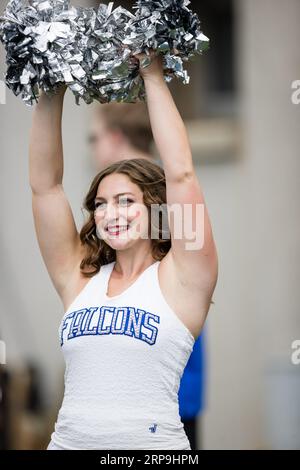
(55, 227)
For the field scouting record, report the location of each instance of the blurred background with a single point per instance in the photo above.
(245, 134)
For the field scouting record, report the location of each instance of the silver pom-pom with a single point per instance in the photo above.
(37, 36)
(171, 28)
(114, 71)
(92, 51)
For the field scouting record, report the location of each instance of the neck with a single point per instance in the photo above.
(130, 263)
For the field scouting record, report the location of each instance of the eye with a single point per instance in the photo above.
(98, 204)
(125, 200)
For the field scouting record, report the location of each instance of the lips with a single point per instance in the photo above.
(116, 229)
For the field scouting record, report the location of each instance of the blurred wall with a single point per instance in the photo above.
(254, 205)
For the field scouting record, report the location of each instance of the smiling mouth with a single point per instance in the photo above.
(117, 229)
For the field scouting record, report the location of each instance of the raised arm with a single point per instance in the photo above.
(197, 266)
(56, 231)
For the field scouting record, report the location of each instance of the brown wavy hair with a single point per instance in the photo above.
(150, 178)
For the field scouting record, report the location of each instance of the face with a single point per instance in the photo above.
(104, 143)
(120, 214)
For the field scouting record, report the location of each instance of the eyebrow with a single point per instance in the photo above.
(117, 195)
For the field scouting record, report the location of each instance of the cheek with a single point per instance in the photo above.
(102, 148)
(140, 222)
(99, 221)
(97, 218)
(136, 211)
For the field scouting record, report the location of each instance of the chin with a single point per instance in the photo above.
(119, 243)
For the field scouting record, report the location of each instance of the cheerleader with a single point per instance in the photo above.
(135, 298)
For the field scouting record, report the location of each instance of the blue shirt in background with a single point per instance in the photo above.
(192, 384)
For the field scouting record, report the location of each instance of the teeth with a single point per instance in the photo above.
(122, 228)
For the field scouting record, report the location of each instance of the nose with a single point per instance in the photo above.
(111, 213)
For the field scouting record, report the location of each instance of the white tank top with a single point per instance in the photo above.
(125, 356)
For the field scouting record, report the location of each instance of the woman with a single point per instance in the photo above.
(134, 300)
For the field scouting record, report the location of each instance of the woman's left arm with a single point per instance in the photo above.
(193, 250)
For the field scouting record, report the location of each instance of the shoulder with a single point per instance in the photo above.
(189, 301)
(78, 280)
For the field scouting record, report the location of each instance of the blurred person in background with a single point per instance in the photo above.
(122, 131)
